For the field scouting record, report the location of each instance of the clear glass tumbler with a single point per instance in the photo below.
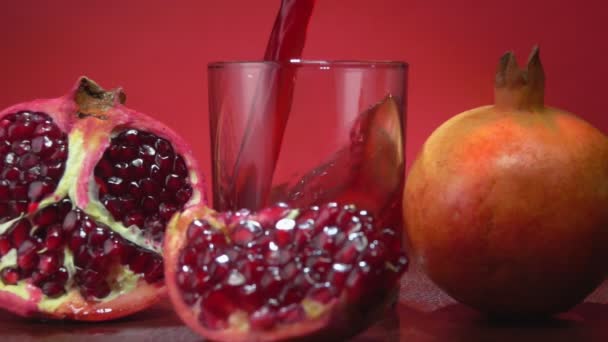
(308, 132)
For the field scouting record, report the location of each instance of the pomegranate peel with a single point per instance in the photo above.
(87, 187)
(505, 205)
(265, 276)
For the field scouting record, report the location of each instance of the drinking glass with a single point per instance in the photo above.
(308, 132)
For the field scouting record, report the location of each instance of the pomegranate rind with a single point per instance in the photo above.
(336, 320)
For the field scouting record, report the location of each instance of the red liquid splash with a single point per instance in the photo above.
(253, 173)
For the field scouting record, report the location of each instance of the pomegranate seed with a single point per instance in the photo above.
(19, 191)
(98, 237)
(43, 146)
(156, 174)
(104, 169)
(263, 319)
(61, 276)
(121, 170)
(137, 169)
(5, 245)
(166, 210)
(40, 189)
(114, 206)
(115, 185)
(52, 169)
(54, 238)
(179, 167)
(154, 270)
(149, 187)
(48, 129)
(78, 239)
(70, 221)
(20, 232)
(28, 161)
(130, 136)
(134, 218)
(174, 182)
(149, 204)
(246, 232)
(163, 147)
(147, 153)
(18, 206)
(134, 190)
(139, 262)
(61, 153)
(10, 276)
(20, 130)
(27, 258)
(291, 314)
(4, 212)
(22, 147)
(128, 203)
(4, 186)
(164, 162)
(49, 263)
(46, 216)
(11, 173)
(183, 195)
(52, 289)
(322, 293)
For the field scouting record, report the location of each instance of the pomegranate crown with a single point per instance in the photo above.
(93, 100)
(520, 89)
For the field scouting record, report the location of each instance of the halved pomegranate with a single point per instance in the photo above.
(281, 273)
(87, 187)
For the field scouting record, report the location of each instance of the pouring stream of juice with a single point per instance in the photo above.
(261, 144)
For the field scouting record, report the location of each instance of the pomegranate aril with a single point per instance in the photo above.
(179, 167)
(27, 258)
(43, 146)
(263, 319)
(121, 170)
(39, 189)
(47, 129)
(18, 206)
(52, 169)
(4, 189)
(163, 147)
(164, 162)
(130, 136)
(154, 270)
(166, 210)
(217, 306)
(104, 169)
(10, 276)
(52, 289)
(149, 204)
(137, 169)
(46, 216)
(5, 245)
(183, 195)
(149, 187)
(114, 206)
(70, 221)
(147, 153)
(140, 262)
(61, 276)
(49, 263)
(37, 277)
(116, 186)
(11, 173)
(19, 191)
(98, 290)
(98, 236)
(291, 314)
(28, 161)
(20, 130)
(174, 182)
(134, 218)
(77, 239)
(20, 232)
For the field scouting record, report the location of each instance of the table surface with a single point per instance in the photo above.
(423, 314)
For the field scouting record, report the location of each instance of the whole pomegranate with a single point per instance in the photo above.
(322, 272)
(87, 187)
(506, 205)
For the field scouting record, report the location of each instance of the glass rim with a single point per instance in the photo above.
(339, 63)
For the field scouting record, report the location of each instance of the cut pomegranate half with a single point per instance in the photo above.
(281, 273)
(87, 187)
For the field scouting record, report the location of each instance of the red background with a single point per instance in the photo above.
(158, 51)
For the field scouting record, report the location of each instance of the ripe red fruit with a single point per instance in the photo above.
(505, 206)
(281, 273)
(78, 236)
